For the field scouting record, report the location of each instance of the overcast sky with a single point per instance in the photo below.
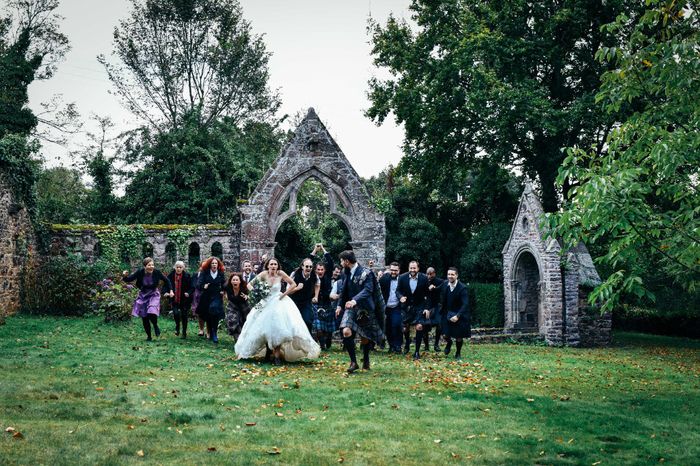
(320, 58)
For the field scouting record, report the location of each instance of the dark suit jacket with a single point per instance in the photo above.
(455, 301)
(385, 285)
(185, 287)
(415, 299)
(361, 293)
(435, 295)
(212, 293)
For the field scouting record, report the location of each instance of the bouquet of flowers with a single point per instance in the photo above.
(260, 292)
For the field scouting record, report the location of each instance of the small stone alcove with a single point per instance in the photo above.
(545, 289)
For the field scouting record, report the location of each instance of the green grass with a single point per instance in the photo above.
(80, 391)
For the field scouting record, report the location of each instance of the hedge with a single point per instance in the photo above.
(486, 304)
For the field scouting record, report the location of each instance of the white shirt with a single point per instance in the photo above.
(214, 274)
(452, 286)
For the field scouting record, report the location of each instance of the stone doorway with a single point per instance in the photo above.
(527, 285)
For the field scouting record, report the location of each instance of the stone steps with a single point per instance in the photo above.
(490, 338)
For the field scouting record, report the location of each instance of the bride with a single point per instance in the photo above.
(275, 323)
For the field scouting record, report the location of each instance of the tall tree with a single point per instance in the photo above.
(513, 82)
(30, 47)
(179, 58)
(61, 196)
(640, 195)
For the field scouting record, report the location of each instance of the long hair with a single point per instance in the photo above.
(267, 262)
(243, 286)
(206, 265)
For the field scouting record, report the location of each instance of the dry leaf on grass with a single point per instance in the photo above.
(140, 453)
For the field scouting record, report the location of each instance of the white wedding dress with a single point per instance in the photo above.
(276, 322)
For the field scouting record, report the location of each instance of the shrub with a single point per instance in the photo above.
(113, 300)
(486, 304)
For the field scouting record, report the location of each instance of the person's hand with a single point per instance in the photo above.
(244, 296)
(337, 311)
(171, 294)
(350, 304)
(426, 313)
(314, 300)
(125, 273)
(454, 319)
(206, 286)
(431, 287)
(221, 293)
(300, 286)
(282, 296)
(334, 296)
(403, 299)
(187, 295)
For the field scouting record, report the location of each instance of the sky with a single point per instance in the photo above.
(320, 58)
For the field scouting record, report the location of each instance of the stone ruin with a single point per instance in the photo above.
(311, 153)
(545, 291)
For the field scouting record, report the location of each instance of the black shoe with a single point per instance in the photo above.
(436, 348)
(277, 362)
(157, 332)
(149, 338)
(184, 336)
(365, 365)
(416, 356)
(448, 347)
(458, 356)
(406, 349)
(353, 367)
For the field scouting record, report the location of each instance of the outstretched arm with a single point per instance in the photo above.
(260, 276)
(291, 284)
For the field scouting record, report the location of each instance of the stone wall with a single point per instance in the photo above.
(85, 241)
(17, 249)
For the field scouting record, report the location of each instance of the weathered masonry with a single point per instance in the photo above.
(546, 291)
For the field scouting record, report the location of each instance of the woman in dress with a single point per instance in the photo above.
(275, 323)
(237, 309)
(211, 302)
(147, 304)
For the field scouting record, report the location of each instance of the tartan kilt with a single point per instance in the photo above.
(372, 331)
(326, 324)
(411, 316)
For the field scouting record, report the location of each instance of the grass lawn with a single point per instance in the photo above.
(79, 391)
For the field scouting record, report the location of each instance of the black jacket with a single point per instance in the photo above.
(157, 278)
(212, 293)
(186, 287)
(361, 293)
(455, 301)
(414, 299)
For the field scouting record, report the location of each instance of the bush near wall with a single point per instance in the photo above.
(486, 304)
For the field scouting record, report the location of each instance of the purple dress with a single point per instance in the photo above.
(147, 302)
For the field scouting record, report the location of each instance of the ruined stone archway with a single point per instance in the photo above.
(311, 153)
(526, 292)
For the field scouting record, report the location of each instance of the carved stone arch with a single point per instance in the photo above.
(311, 153)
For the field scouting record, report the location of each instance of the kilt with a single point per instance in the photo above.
(372, 331)
(326, 324)
(460, 329)
(433, 320)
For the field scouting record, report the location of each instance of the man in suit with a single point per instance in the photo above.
(248, 274)
(356, 302)
(303, 298)
(455, 312)
(412, 290)
(388, 284)
(324, 315)
(433, 306)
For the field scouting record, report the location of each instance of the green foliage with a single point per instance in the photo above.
(113, 300)
(639, 195)
(121, 245)
(63, 286)
(62, 196)
(19, 168)
(191, 58)
(181, 238)
(418, 239)
(482, 258)
(16, 72)
(195, 174)
(512, 82)
(486, 304)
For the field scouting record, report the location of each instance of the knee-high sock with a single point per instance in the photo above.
(438, 334)
(407, 337)
(365, 353)
(184, 324)
(349, 343)
(147, 326)
(177, 315)
(460, 342)
(419, 339)
(213, 324)
(426, 336)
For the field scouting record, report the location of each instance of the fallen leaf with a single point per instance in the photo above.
(10, 429)
(250, 424)
(211, 449)
(140, 453)
(99, 389)
(280, 414)
(274, 451)
(530, 400)
(437, 440)
(130, 427)
(341, 459)
(18, 435)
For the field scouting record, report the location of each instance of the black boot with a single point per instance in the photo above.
(349, 344)
(448, 346)
(147, 328)
(365, 356)
(329, 341)
(419, 339)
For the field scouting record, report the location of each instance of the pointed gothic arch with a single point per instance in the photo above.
(311, 153)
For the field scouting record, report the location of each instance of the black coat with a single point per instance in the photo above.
(455, 302)
(432, 299)
(186, 287)
(157, 278)
(415, 300)
(211, 303)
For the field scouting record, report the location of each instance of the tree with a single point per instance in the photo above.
(30, 47)
(195, 174)
(513, 82)
(639, 193)
(181, 58)
(97, 159)
(61, 196)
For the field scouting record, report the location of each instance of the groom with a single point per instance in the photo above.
(357, 305)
